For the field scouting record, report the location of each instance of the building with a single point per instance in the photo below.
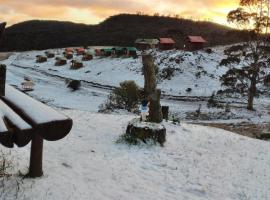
(194, 43)
(166, 43)
(145, 44)
(130, 51)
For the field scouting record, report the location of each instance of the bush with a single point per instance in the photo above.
(127, 97)
(74, 85)
(213, 102)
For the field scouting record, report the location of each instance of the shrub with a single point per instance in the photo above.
(74, 85)
(126, 97)
(213, 102)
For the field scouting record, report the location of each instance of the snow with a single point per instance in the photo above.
(38, 112)
(13, 117)
(196, 163)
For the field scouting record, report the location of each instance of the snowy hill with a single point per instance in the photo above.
(197, 163)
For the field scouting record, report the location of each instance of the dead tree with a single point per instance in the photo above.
(150, 88)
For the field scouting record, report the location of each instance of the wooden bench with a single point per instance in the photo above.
(24, 119)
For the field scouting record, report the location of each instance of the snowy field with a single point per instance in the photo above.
(197, 163)
(199, 71)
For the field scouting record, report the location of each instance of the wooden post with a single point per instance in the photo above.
(165, 112)
(151, 92)
(2, 79)
(35, 169)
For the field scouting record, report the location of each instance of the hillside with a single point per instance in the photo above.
(121, 29)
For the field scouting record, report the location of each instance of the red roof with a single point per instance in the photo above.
(196, 39)
(166, 41)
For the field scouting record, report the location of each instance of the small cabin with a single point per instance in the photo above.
(130, 51)
(69, 50)
(87, 56)
(68, 55)
(118, 51)
(194, 43)
(75, 64)
(41, 59)
(60, 61)
(145, 44)
(28, 85)
(166, 44)
(49, 54)
(80, 51)
(106, 52)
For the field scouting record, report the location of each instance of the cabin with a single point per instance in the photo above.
(106, 52)
(68, 55)
(118, 51)
(87, 56)
(69, 50)
(166, 44)
(193, 43)
(145, 44)
(98, 52)
(41, 59)
(76, 64)
(80, 51)
(27, 85)
(60, 61)
(130, 51)
(49, 54)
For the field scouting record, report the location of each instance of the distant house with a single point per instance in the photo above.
(106, 52)
(194, 43)
(69, 50)
(118, 51)
(80, 50)
(166, 43)
(130, 51)
(144, 44)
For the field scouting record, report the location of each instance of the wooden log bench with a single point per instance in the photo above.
(24, 119)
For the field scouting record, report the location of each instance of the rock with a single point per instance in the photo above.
(147, 130)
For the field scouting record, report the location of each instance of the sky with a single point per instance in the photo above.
(95, 11)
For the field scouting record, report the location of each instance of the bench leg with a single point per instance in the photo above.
(35, 169)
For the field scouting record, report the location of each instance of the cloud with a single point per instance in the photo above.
(94, 11)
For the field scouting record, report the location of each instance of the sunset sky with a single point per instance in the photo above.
(95, 11)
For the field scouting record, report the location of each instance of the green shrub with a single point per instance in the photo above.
(126, 97)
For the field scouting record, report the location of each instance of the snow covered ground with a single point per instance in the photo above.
(196, 163)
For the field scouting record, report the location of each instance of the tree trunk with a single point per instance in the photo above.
(252, 93)
(151, 93)
(35, 169)
(2, 79)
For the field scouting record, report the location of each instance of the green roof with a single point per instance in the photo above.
(106, 50)
(147, 41)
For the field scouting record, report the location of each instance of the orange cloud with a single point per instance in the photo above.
(94, 11)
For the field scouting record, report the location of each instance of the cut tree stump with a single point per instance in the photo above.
(145, 131)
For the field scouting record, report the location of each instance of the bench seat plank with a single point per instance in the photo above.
(13, 129)
(47, 122)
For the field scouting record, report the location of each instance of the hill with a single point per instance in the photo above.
(121, 29)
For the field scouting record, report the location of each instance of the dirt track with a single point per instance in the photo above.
(247, 129)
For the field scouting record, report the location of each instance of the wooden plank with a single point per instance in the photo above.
(13, 129)
(47, 122)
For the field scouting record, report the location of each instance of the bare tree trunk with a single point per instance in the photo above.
(252, 93)
(35, 169)
(2, 79)
(151, 93)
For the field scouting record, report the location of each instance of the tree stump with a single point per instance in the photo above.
(165, 112)
(145, 131)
